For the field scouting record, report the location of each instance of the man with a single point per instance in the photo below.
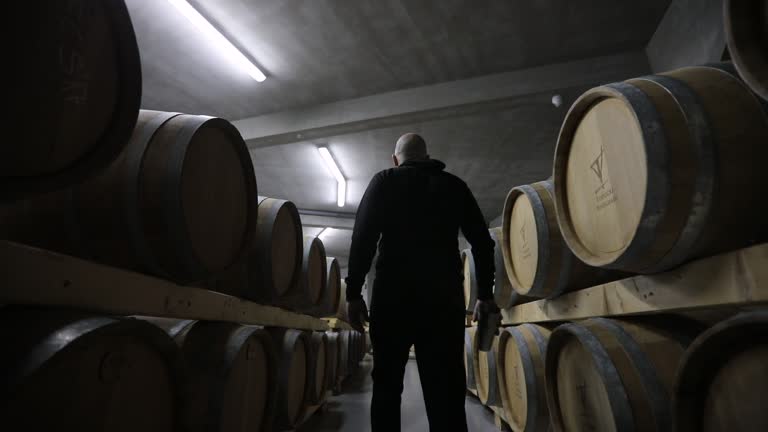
(415, 211)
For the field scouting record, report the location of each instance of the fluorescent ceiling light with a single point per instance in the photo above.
(324, 232)
(341, 182)
(218, 39)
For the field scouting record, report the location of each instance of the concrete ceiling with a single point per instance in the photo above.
(475, 78)
(490, 151)
(317, 51)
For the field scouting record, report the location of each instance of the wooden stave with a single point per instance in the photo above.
(505, 296)
(104, 219)
(652, 395)
(693, 235)
(117, 133)
(59, 331)
(344, 354)
(285, 340)
(558, 270)
(469, 302)
(213, 345)
(706, 354)
(537, 415)
(315, 393)
(469, 366)
(262, 286)
(742, 20)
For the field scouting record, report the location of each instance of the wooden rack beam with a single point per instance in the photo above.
(31, 276)
(732, 280)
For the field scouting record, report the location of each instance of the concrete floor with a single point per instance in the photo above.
(349, 411)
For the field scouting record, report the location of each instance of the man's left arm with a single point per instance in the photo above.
(365, 238)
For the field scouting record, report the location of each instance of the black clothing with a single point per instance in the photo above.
(415, 212)
(418, 210)
(439, 346)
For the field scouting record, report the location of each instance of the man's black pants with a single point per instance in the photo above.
(438, 339)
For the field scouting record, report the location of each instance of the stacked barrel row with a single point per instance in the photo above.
(652, 374)
(180, 202)
(648, 174)
(76, 371)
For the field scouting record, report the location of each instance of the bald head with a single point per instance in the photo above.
(410, 147)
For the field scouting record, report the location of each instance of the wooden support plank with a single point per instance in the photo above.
(33, 276)
(731, 280)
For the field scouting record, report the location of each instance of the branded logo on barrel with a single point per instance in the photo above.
(604, 195)
(524, 248)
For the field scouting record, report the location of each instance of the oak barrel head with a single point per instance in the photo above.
(722, 379)
(79, 75)
(88, 373)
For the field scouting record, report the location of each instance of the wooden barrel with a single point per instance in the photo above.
(746, 31)
(75, 95)
(470, 281)
(293, 359)
(331, 360)
(722, 381)
(503, 293)
(275, 261)
(74, 372)
(316, 369)
(307, 294)
(469, 363)
(485, 373)
(230, 374)
(522, 350)
(536, 258)
(606, 375)
(177, 203)
(652, 172)
(331, 295)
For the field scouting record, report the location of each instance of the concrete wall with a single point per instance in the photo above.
(690, 33)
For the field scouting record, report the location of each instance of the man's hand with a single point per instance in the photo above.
(483, 308)
(357, 313)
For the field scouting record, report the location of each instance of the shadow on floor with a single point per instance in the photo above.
(350, 411)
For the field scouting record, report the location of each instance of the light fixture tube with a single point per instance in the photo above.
(341, 182)
(324, 232)
(218, 39)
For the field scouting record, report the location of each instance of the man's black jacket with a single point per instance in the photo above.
(415, 212)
